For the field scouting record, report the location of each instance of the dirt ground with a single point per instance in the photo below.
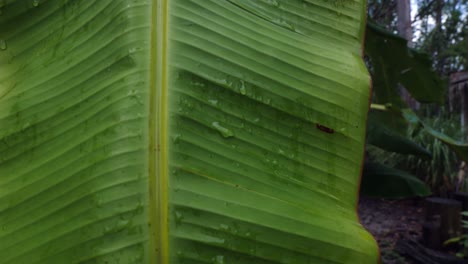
(390, 220)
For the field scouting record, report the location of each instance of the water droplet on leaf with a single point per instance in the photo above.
(242, 89)
(176, 139)
(3, 45)
(214, 240)
(213, 102)
(280, 151)
(224, 227)
(179, 217)
(273, 3)
(218, 259)
(222, 130)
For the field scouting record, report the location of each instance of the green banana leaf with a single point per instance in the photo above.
(381, 135)
(385, 182)
(182, 131)
(394, 63)
(459, 147)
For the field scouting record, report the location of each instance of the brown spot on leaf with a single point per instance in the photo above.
(325, 129)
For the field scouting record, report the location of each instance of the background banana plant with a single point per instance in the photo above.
(391, 122)
(182, 131)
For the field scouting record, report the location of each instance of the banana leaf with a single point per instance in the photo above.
(393, 63)
(382, 181)
(458, 146)
(383, 136)
(182, 131)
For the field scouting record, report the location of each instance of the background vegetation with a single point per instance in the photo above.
(416, 82)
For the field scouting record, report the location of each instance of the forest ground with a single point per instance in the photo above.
(390, 220)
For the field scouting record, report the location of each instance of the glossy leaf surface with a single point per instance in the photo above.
(182, 131)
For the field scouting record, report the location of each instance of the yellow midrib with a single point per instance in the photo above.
(158, 177)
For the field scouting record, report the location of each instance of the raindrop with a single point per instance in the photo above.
(26, 125)
(179, 217)
(242, 89)
(213, 102)
(285, 24)
(218, 259)
(176, 139)
(273, 3)
(222, 130)
(35, 3)
(224, 227)
(214, 240)
(199, 84)
(280, 151)
(3, 45)
(119, 226)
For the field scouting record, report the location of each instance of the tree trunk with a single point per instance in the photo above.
(405, 30)
(459, 82)
(449, 212)
(431, 232)
(464, 107)
(438, 14)
(438, 36)
(462, 197)
(404, 20)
